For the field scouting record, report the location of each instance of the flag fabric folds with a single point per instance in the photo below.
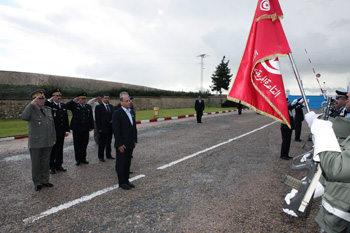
(259, 84)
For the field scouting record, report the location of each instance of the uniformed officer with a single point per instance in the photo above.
(286, 133)
(333, 153)
(60, 116)
(339, 106)
(42, 137)
(82, 122)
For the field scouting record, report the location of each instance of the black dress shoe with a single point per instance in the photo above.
(85, 162)
(110, 157)
(52, 171)
(77, 163)
(131, 185)
(102, 160)
(130, 172)
(38, 188)
(62, 169)
(125, 186)
(298, 140)
(48, 185)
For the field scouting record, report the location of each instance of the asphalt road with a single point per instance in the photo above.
(220, 176)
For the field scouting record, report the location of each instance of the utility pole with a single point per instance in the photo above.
(202, 57)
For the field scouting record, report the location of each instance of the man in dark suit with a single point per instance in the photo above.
(125, 134)
(199, 107)
(82, 122)
(287, 134)
(103, 118)
(60, 117)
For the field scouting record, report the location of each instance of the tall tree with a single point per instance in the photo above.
(221, 78)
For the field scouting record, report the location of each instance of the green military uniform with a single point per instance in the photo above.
(42, 135)
(335, 167)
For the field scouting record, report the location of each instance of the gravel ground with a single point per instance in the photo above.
(234, 187)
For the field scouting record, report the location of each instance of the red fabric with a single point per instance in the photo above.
(258, 82)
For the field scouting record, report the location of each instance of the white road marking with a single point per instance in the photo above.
(213, 147)
(74, 202)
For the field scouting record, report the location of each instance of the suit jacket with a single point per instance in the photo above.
(299, 114)
(60, 117)
(82, 119)
(124, 132)
(291, 119)
(41, 128)
(103, 118)
(199, 106)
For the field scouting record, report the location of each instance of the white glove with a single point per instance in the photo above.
(303, 159)
(294, 102)
(287, 199)
(310, 117)
(324, 138)
(319, 190)
(301, 101)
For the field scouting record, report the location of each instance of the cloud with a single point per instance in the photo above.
(156, 43)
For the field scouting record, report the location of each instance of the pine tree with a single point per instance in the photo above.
(221, 78)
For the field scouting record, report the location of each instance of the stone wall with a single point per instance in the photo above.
(21, 78)
(12, 109)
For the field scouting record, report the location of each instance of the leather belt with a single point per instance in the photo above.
(337, 212)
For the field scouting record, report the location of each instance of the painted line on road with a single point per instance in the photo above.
(74, 202)
(213, 147)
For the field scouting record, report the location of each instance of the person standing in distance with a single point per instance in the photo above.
(286, 133)
(103, 119)
(125, 134)
(42, 136)
(94, 102)
(81, 123)
(298, 117)
(60, 117)
(199, 107)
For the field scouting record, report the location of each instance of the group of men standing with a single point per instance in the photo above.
(48, 125)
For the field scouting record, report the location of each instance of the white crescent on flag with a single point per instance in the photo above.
(272, 66)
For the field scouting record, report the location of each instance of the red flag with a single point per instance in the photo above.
(258, 84)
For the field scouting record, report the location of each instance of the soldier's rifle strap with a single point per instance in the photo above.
(311, 189)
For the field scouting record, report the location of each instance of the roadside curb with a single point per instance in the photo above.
(139, 122)
(179, 117)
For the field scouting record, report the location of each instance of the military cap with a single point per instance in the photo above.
(130, 97)
(56, 92)
(341, 94)
(82, 95)
(38, 93)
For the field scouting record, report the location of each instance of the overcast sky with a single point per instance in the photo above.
(155, 43)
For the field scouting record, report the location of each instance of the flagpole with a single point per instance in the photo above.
(297, 76)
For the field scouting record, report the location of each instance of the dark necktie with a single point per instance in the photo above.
(108, 110)
(42, 111)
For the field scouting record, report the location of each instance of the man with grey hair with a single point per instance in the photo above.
(42, 136)
(125, 134)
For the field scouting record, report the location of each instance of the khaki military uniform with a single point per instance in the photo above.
(42, 135)
(336, 169)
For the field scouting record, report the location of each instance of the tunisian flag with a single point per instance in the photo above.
(258, 84)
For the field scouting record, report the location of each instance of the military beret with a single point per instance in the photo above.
(341, 94)
(38, 93)
(130, 97)
(82, 95)
(56, 92)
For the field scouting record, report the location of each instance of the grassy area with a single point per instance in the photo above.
(17, 127)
